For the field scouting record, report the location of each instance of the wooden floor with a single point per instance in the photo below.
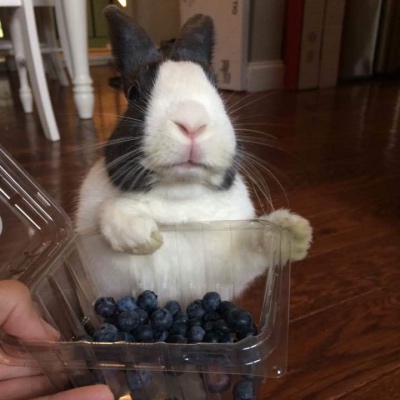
(337, 154)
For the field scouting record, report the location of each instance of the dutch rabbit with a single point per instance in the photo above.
(172, 159)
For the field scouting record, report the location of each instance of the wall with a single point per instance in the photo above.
(160, 18)
(265, 68)
(266, 29)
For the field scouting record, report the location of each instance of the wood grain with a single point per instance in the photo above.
(337, 154)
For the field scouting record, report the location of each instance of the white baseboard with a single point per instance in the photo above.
(99, 59)
(265, 75)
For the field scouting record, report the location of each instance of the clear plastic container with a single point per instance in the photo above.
(38, 247)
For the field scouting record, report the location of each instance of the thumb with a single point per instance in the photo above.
(18, 315)
(96, 392)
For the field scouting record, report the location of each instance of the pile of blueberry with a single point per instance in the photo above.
(207, 320)
(204, 320)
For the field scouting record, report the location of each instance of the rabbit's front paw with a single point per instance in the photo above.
(135, 234)
(298, 229)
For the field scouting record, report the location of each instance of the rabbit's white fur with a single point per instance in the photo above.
(182, 95)
(129, 221)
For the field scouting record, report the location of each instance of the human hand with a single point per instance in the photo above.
(18, 317)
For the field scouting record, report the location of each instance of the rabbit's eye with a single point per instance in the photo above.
(132, 93)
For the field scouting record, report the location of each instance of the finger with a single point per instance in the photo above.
(10, 372)
(96, 392)
(18, 316)
(26, 388)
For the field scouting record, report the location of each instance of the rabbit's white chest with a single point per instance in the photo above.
(201, 206)
(166, 206)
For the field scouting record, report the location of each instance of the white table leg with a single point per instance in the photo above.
(76, 25)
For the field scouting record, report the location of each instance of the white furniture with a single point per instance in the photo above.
(71, 22)
(23, 23)
(76, 45)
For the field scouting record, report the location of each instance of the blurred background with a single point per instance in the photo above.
(322, 42)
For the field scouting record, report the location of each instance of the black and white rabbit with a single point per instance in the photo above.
(172, 159)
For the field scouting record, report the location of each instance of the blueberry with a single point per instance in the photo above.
(147, 300)
(160, 336)
(227, 338)
(211, 301)
(125, 337)
(251, 332)
(128, 321)
(178, 328)
(105, 307)
(224, 307)
(217, 383)
(161, 319)
(196, 334)
(137, 380)
(143, 316)
(126, 303)
(173, 307)
(212, 337)
(211, 316)
(144, 333)
(221, 327)
(244, 390)
(112, 320)
(195, 309)
(195, 322)
(239, 320)
(208, 326)
(105, 333)
(176, 339)
(181, 316)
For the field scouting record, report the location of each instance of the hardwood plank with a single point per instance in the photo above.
(387, 387)
(321, 282)
(340, 348)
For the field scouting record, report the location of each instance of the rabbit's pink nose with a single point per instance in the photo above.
(190, 117)
(190, 130)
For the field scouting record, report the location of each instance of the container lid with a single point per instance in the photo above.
(33, 228)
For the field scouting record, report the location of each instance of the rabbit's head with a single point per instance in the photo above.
(176, 130)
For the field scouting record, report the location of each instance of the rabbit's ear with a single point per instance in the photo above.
(131, 45)
(195, 41)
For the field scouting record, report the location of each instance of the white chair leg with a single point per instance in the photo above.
(25, 92)
(51, 41)
(76, 24)
(36, 71)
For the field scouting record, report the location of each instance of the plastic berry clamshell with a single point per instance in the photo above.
(38, 246)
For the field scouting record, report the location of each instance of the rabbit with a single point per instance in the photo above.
(172, 159)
